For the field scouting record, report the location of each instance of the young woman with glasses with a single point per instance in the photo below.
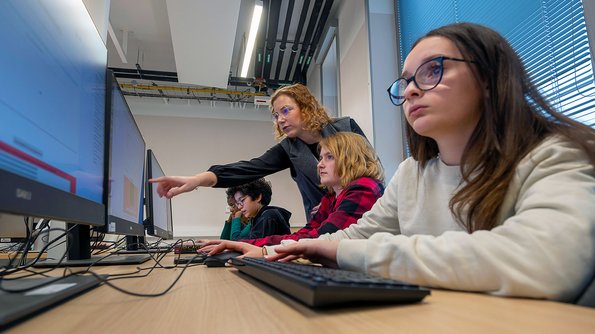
(299, 122)
(499, 193)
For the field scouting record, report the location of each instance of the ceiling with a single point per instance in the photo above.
(172, 48)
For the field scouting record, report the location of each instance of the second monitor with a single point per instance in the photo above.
(159, 213)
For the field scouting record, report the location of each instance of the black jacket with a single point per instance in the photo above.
(270, 220)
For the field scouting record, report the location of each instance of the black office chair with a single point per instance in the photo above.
(587, 298)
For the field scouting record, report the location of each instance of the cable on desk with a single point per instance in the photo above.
(7, 270)
(106, 281)
(115, 246)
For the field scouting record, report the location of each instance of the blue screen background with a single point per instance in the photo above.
(52, 94)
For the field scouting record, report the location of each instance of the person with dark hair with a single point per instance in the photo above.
(237, 226)
(253, 199)
(352, 174)
(498, 195)
(299, 122)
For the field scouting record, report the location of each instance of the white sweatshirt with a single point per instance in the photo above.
(543, 246)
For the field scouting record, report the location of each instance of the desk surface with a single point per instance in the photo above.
(222, 300)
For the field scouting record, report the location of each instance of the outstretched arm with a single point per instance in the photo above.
(170, 186)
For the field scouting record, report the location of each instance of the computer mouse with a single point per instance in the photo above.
(219, 260)
(196, 258)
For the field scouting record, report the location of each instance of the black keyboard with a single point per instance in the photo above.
(318, 286)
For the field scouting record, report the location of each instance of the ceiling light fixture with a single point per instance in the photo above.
(251, 39)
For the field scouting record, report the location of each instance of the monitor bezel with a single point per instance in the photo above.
(113, 224)
(22, 196)
(150, 226)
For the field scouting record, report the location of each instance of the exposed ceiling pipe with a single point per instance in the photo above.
(321, 24)
(297, 74)
(166, 93)
(271, 42)
(139, 71)
(296, 44)
(283, 45)
(146, 74)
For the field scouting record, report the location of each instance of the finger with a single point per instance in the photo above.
(289, 258)
(171, 193)
(289, 249)
(206, 249)
(210, 242)
(162, 189)
(218, 249)
(174, 191)
(278, 256)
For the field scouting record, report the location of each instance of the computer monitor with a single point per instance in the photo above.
(52, 122)
(52, 111)
(125, 168)
(123, 184)
(158, 222)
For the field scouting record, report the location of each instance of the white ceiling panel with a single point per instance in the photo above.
(203, 34)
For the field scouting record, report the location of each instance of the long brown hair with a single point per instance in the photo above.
(514, 120)
(313, 114)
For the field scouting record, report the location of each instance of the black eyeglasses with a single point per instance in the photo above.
(240, 202)
(427, 76)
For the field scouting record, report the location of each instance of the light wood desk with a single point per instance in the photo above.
(221, 300)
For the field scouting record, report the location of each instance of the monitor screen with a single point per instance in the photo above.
(125, 167)
(159, 219)
(52, 111)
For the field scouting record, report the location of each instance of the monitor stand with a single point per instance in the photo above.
(79, 253)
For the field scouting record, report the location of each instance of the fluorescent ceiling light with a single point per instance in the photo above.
(251, 39)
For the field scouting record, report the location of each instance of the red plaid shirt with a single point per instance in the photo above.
(335, 213)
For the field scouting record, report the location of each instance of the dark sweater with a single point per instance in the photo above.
(270, 220)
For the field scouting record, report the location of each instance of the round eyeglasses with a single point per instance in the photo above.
(281, 113)
(240, 202)
(427, 76)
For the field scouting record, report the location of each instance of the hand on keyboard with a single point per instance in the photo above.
(218, 246)
(318, 251)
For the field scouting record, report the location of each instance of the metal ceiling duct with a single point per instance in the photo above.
(283, 45)
(303, 23)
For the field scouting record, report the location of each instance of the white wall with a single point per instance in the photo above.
(384, 60)
(354, 65)
(188, 145)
